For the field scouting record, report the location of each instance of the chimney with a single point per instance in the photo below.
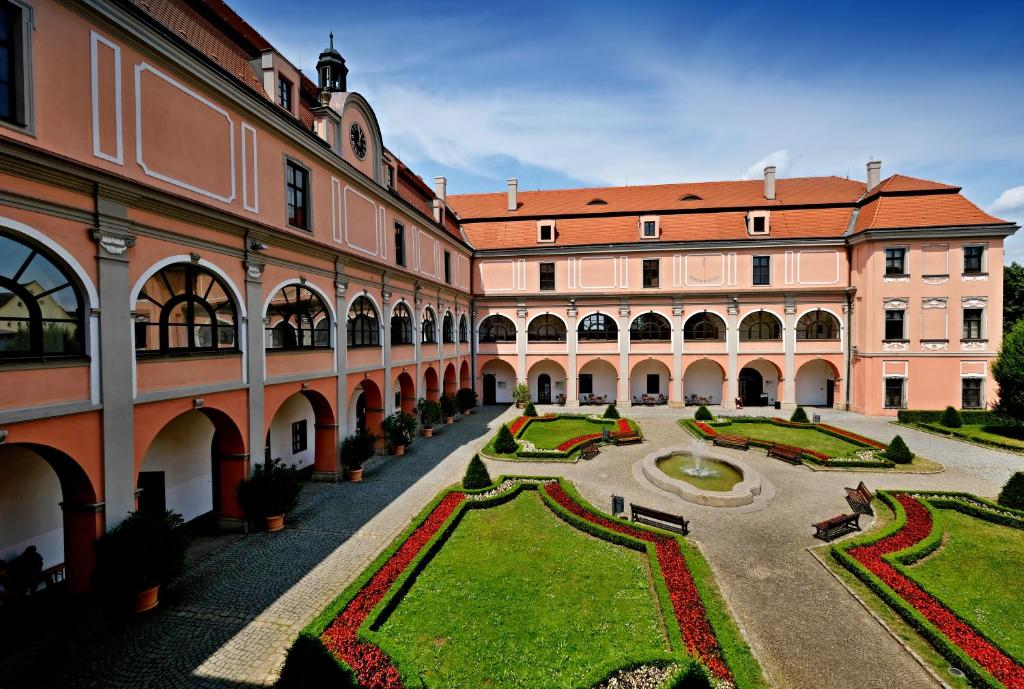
(874, 173)
(441, 188)
(513, 193)
(769, 182)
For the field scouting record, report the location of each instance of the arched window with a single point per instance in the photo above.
(183, 308)
(463, 329)
(429, 330)
(704, 326)
(448, 328)
(546, 328)
(401, 325)
(297, 319)
(598, 327)
(760, 325)
(363, 327)
(650, 327)
(497, 329)
(817, 325)
(41, 310)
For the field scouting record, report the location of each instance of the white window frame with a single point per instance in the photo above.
(984, 258)
(981, 392)
(906, 391)
(641, 226)
(767, 223)
(554, 231)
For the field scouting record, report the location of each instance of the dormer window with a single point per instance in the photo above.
(284, 93)
(546, 231)
(758, 223)
(597, 202)
(650, 227)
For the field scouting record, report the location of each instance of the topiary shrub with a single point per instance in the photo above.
(692, 677)
(1012, 495)
(611, 412)
(505, 443)
(530, 410)
(703, 414)
(898, 452)
(951, 418)
(799, 416)
(476, 475)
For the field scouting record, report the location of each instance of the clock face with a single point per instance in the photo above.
(357, 137)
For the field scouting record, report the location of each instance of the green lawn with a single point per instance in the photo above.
(518, 598)
(1009, 435)
(807, 438)
(551, 434)
(975, 573)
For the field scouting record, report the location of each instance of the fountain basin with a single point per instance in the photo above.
(739, 484)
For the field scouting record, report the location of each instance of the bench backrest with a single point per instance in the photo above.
(657, 514)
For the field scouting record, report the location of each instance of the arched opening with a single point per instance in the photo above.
(760, 325)
(429, 328)
(597, 327)
(304, 432)
(758, 383)
(650, 327)
(547, 381)
(405, 393)
(48, 502)
(363, 324)
(430, 382)
(704, 326)
(597, 382)
(649, 382)
(185, 307)
(193, 466)
(448, 328)
(450, 381)
(497, 380)
(497, 328)
(366, 408)
(816, 384)
(297, 319)
(546, 328)
(464, 378)
(817, 325)
(401, 325)
(463, 329)
(702, 382)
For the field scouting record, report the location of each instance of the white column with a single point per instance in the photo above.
(844, 393)
(675, 392)
(623, 387)
(417, 342)
(732, 347)
(572, 397)
(789, 344)
(341, 355)
(389, 384)
(521, 342)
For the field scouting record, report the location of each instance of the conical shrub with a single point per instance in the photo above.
(505, 443)
(799, 416)
(702, 414)
(530, 410)
(898, 451)
(611, 412)
(1012, 495)
(476, 475)
(951, 418)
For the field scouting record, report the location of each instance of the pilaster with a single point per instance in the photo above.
(844, 399)
(254, 344)
(341, 364)
(572, 397)
(789, 346)
(521, 341)
(385, 322)
(676, 389)
(622, 388)
(732, 347)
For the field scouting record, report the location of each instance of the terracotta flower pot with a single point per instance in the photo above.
(147, 599)
(354, 475)
(449, 419)
(428, 432)
(398, 450)
(274, 523)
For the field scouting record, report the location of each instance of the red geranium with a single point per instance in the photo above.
(517, 425)
(706, 429)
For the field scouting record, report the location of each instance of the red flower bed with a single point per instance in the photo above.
(706, 429)
(573, 442)
(517, 425)
(624, 426)
(374, 668)
(917, 528)
(852, 436)
(693, 622)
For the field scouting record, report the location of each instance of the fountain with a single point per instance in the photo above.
(698, 470)
(701, 477)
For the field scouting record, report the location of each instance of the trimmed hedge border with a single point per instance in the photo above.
(310, 663)
(900, 561)
(937, 427)
(968, 416)
(520, 424)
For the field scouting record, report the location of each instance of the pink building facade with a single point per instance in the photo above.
(208, 259)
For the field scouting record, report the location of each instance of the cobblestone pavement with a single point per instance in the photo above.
(229, 621)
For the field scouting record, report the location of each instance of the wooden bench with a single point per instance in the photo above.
(837, 526)
(662, 520)
(589, 450)
(787, 453)
(735, 441)
(625, 438)
(859, 499)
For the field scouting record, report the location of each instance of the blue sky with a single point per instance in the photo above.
(609, 93)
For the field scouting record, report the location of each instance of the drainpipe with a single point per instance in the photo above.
(849, 346)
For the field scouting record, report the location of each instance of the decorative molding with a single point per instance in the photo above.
(376, 230)
(254, 271)
(113, 243)
(935, 345)
(896, 278)
(974, 346)
(339, 288)
(704, 283)
(250, 204)
(973, 302)
(934, 302)
(895, 346)
(981, 277)
(935, 279)
(895, 302)
(97, 150)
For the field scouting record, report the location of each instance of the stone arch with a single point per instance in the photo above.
(450, 379)
(405, 393)
(317, 446)
(704, 326)
(546, 379)
(464, 377)
(760, 325)
(817, 383)
(704, 379)
(496, 328)
(603, 380)
(804, 321)
(431, 384)
(497, 378)
(649, 377)
(366, 408)
(763, 375)
(317, 326)
(546, 327)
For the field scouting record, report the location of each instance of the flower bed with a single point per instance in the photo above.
(565, 450)
(879, 561)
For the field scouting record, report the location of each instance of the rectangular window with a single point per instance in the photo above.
(894, 324)
(894, 393)
(547, 276)
(650, 229)
(15, 51)
(972, 259)
(652, 269)
(896, 261)
(972, 324)
(586, 384)
(448, 267)
(762, 270)
(653, 384)
(547, 233)
(400, 244)
(284, 93)
(299, 439)
(296, 184)
(758, 226)
(970, 393)
(391, 177)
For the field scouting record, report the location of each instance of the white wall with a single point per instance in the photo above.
(810, 383)
(557, 379)
(295, 408)
(704, 379)
(604, 379)
(30, 513)
(638, 379)
(503, 374)
(769, 375)
(183, 451)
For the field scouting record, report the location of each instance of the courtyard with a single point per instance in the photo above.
(231, 618)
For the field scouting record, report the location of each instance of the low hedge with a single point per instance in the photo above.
(959, 434)
(967, 416)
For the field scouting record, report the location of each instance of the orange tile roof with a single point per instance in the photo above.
(924, 210)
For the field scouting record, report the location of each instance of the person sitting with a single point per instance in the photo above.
(25, 572)
(739, 403)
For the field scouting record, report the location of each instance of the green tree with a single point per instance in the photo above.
(1013, 295)
(799, 416)
(1008, 371)
(898, 452)
(703, 414)
(530, 410)
(505, 443)
(611, 412)
(1012, 495)
(951, 418)
(476, 475)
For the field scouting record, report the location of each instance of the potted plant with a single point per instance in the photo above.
(448, 408)
(430, 413)
(272, 490)
(466, 399)
(521, 394)
(399, 429)
(356, 449)
(135, 557)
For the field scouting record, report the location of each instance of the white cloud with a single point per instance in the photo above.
(780, 159)
(1010, 201)
(1010, 205)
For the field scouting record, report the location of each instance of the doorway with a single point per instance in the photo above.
(361, 412)
(543, 389)
(830, 393)
(490, 389)
(751, 385)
